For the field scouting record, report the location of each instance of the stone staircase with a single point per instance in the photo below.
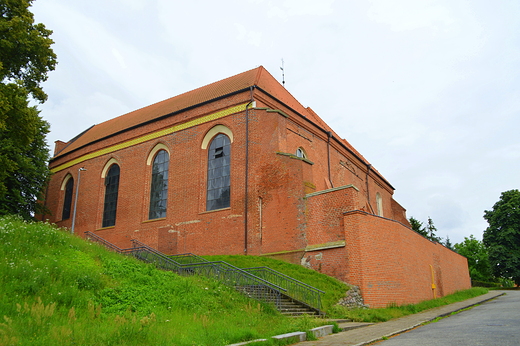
(285, 304)
(289, 296)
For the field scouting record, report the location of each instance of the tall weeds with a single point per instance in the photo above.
(57, 289)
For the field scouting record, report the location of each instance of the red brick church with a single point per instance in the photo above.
(241, 167)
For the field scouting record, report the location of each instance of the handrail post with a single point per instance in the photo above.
(267, 280)
(76, 201)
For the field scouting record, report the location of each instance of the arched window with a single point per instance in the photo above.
(159, 188)
(67, 200)
(111, 192)
(379, 203)
(300, 153)
(218, 194)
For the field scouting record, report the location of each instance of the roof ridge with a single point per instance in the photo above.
(258, 74)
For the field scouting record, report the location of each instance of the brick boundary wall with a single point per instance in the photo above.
(393, 264)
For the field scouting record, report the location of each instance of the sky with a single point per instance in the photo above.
(428, 91)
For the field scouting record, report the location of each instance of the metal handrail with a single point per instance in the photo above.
(243, 281)
(179, 258)
(261, 283)
(188, 258)
(203, 263)
(97, 239)
(303, 293)
(300, 291)
(286, 277)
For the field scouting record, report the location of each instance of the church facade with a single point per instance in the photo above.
(241, 167)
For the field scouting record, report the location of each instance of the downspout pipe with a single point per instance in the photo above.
(246, 188)
(329, 134)
(369, 166)
(76, 200)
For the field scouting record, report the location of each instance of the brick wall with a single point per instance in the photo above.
(392, 263)
(300, 210)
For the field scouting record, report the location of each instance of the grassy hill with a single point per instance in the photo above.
(57, 289)
(333, 288)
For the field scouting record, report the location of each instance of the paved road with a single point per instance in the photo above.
(496, 322)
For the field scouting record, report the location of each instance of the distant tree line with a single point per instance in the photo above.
(495, 259)
(429, 231)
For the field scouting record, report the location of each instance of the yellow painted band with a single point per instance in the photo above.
(151, 136)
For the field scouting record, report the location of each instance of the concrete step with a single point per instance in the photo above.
(284, 304)
(345, 324)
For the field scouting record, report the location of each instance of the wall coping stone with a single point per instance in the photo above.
(292, 156)
(331, 190)
(325, 246)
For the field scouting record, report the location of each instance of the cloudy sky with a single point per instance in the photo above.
(428, 91)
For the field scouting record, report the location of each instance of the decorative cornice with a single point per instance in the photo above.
(151, 136)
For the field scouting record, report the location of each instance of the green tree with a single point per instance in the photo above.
(502, 237)
(447, 243)
(431, 231)
(427, 231)
(417, 226)
(25, 59)
(478, 260)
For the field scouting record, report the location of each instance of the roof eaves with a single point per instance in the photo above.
(73, 140)
(149, 121)
(338, 140)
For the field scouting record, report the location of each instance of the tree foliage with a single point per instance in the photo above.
(478, 260)
(432, 231)
(502, 237)
(428, 231)
(25, 59)
(418, 227)
(447, 243)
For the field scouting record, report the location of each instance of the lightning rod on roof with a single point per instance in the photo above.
(283, 74)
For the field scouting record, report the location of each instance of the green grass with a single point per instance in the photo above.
(336, 289)
(333, 288)
(393, 311)
(57, 289)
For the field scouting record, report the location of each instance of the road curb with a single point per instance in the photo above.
(367, 335)
(418, 324)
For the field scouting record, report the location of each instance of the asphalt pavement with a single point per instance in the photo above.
(367, 334)
(496, 322)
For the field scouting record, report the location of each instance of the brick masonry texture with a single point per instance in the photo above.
(319, 211)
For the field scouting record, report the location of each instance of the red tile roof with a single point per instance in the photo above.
(258, 77)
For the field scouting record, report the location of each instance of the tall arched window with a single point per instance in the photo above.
(67, 200)
(111, 192)
(159, 188)
(218, 194)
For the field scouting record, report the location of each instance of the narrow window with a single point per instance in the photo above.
(300, 153)
(67, 201)
(159, 188)
(111, 192)
(218, 194)
(379, 202)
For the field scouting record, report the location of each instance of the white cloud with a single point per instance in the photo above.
(252, 37)
(404, 15)
(427, 91)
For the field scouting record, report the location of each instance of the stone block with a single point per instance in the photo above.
(292, 337)
(247, 342)
(322, 331)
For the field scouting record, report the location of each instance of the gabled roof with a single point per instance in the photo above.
(241, 82)
(259, 78)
